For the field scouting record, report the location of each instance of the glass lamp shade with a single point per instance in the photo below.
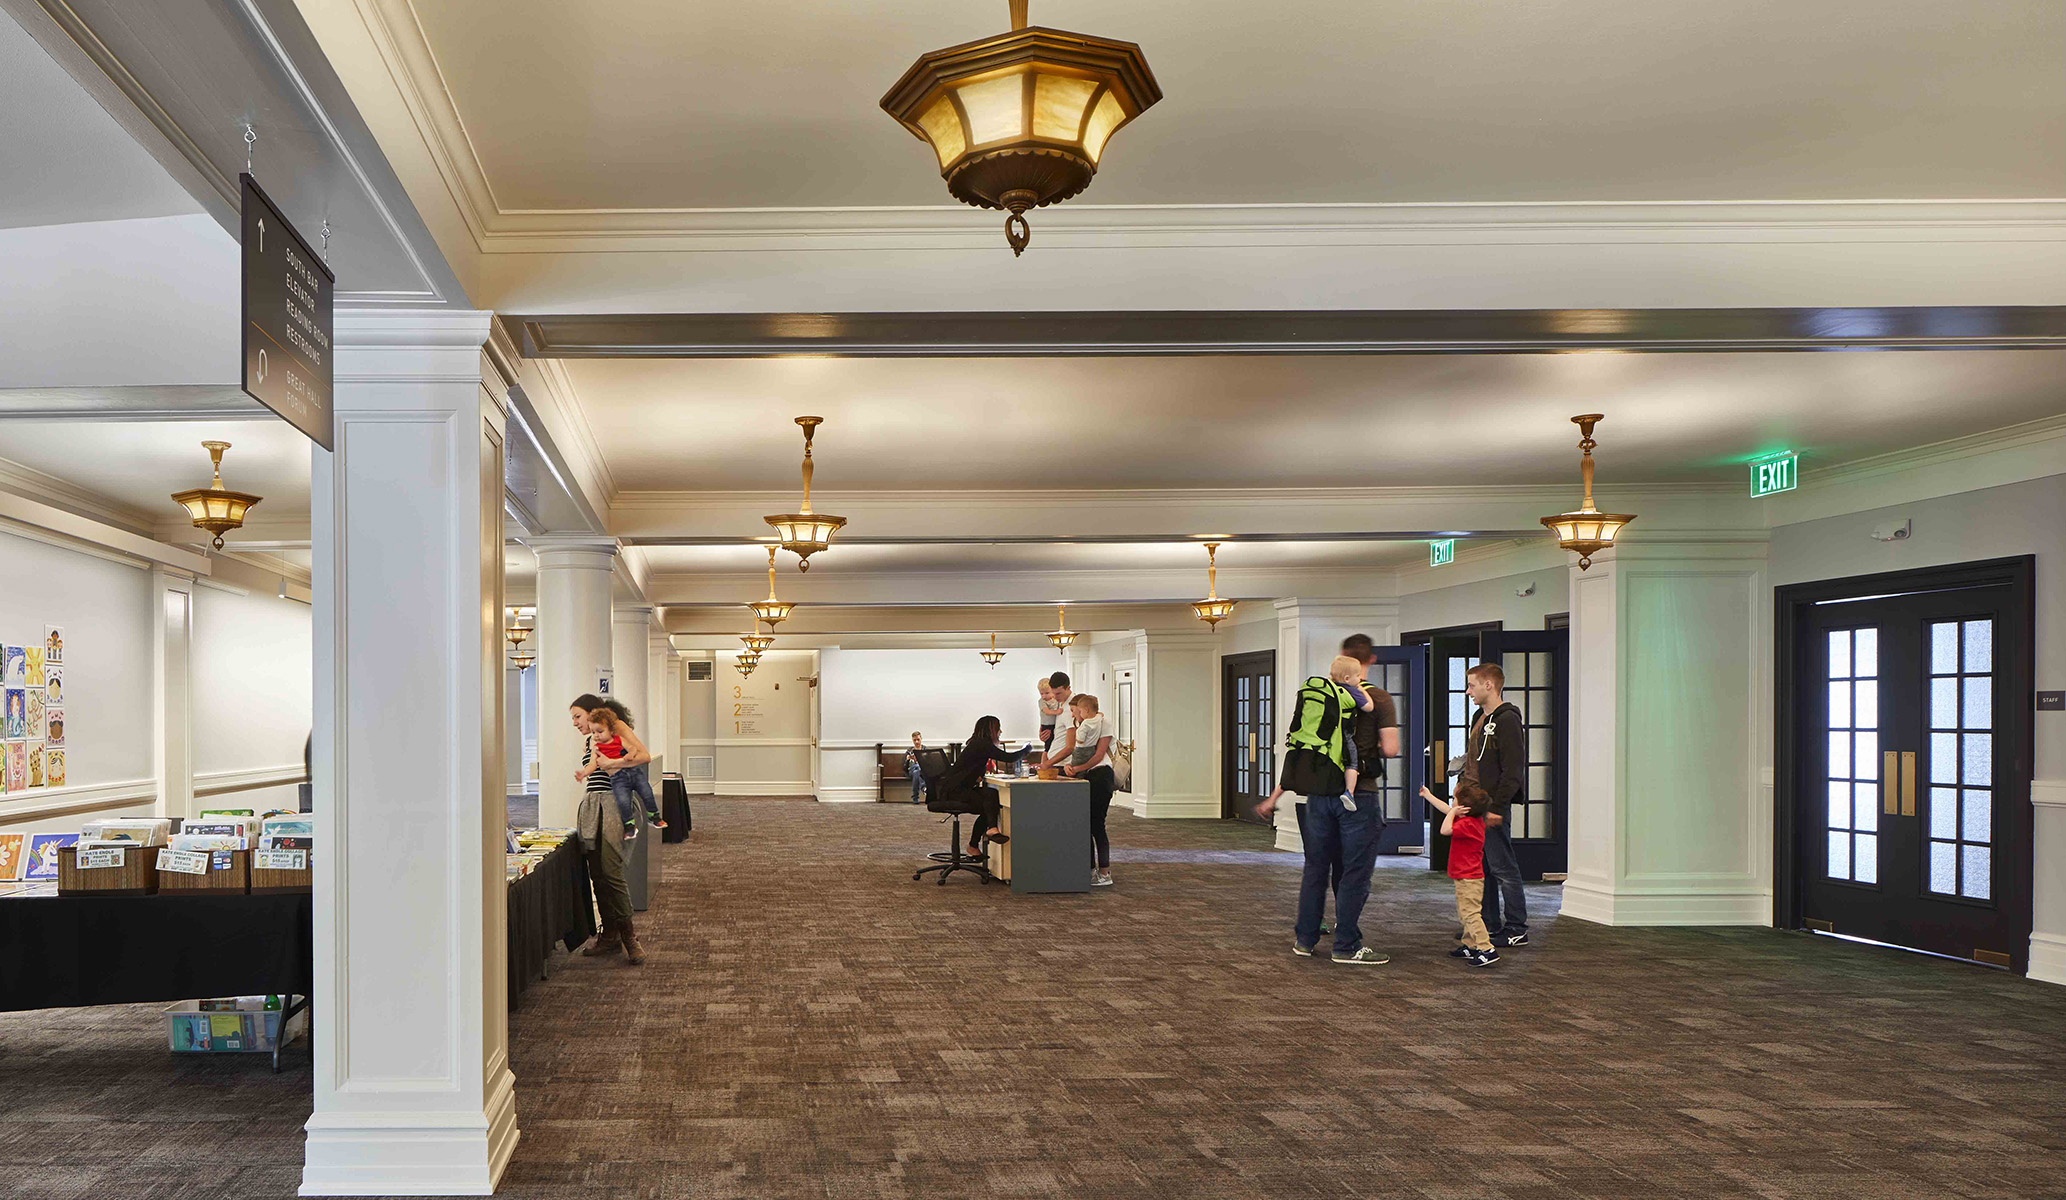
(804, 534)
(772, 612)
(1212, 612)
(1021, 119)
(993, 657)
(745, 668)
(522, 662)
(1061, 639)
(757, 642)
(1587, 531)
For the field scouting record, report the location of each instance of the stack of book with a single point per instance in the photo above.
(531, 846)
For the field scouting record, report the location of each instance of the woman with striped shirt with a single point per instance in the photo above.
(602, 837)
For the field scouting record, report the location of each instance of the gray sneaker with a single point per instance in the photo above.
(1101, 879)
(1366, 957)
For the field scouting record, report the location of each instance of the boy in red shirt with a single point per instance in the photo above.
(1464, 825)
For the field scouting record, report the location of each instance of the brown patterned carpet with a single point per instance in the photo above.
(813, 1023)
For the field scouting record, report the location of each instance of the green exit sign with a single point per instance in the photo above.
(1775, 475)
(1442, 553)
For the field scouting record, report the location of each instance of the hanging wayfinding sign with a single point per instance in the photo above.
(287, 319)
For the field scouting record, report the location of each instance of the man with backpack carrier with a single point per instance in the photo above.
(1339, 833)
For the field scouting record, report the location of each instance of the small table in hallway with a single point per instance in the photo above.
(1048, 822)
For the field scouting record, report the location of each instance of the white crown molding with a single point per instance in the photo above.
(28, 482)
(1549, 493)
(1974, 462)
(223, 783)
(561, 394)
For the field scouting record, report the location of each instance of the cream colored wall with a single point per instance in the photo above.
(1485, 600)
(768, 754)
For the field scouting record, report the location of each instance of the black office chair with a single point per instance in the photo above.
(932, 766)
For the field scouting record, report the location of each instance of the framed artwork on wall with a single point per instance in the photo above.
(53, 644)
(15, 757)
(32, 671)
(14, 666)
(53, 683)
(35, 758)
(54, 726)
(54, 768)
(35, 711)
(14, 716)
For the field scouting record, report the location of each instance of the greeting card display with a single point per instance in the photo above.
(14, 849)
(33, 671)
(53, 727)
(53, 644)
(14, 666)
(43, 848)
(54, 768)
(54, 683)
(16, 713)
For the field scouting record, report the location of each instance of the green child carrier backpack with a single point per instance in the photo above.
(1315, 756)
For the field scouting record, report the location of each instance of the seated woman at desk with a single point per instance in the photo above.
(964, 780)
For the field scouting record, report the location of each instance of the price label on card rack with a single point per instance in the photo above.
(180, 862)
(283, 860)
(105, 856)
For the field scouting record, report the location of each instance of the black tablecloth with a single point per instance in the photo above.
(69, 951)
(674, 809)
(549, 905)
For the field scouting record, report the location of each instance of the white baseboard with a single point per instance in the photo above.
(2047, 958)
(1593, 900)
(764, 787)
(849, 795)
(1183, 806)
(377, 1154)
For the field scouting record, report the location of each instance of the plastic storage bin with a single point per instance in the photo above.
(189, 1030)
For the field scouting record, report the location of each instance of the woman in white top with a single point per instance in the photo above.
(1090, 759)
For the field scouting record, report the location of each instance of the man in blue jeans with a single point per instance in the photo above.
(1496, 759)
(912, 772)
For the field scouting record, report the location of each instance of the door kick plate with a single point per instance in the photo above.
(1992, 958)
(1819, 926)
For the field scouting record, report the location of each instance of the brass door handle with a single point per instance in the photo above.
(1908, 783)
(1890, 782)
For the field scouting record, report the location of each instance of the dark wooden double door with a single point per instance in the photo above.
(1536, 664)
(1911, 757)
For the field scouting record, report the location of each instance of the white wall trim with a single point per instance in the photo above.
(57, 802)
(1184, 806)
(764, 787)
(1589, 900)
(37, 485)
(2048, 793)
(849, 795)
(2047, 958)
(222, 783)
(34, 519)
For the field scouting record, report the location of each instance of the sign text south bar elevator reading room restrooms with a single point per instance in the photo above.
(287, 319)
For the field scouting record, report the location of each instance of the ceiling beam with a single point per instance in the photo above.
(1136, 334)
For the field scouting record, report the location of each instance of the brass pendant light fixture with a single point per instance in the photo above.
(1586, 530)
(1212, 610)
(804, 533)
(523, 661)
(993, 655)
(1061, 637)
(514, 631)
(215, 508)
(757, 641)
(747, 661)
(1021, 119)
(771, 610)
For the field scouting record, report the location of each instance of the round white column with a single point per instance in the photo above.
(574, 657)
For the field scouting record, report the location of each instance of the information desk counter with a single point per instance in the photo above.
(1048, 823)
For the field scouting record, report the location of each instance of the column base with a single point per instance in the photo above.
(1601, 903)
(2047, 958)
(853, 795)
(412, 1154)
(1190, 806)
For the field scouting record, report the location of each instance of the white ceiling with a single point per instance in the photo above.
(63, 159)
(140, 464)
(588, 104)
(1390, 420)
(1060, 556)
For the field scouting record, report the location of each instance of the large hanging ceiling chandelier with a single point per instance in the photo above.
(215, 508)
(1061, 637)
(804, 533)
(1020, 119)
(1586, 530)
(993, 655)
(1212, 610)
(771, 610)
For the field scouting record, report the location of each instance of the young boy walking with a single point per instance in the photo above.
(1463, 823)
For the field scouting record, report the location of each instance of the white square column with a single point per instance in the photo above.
(1175, 772)
(1670, 822)
(631, 658)
(1309, 637)
(662, 704)
(575, 575)
(413, 1092)
(172, 691)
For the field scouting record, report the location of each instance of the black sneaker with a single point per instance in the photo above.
(1460, 952)
(1519, 939)
(1482, 958)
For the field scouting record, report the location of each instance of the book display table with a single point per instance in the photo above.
(72, 951)
(549, 905)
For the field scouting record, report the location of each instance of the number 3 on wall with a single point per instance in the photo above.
(738, 692)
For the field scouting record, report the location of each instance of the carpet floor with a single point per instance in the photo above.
(813, 1023)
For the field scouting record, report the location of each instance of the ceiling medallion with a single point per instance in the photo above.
(993, 655)
(1212, 610)
(1020, 120)
(771, 610)
(215, 508)
(804, 533)
(1586, 530)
